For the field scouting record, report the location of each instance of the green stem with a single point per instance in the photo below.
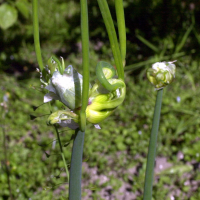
(121, 28)
(61, 152)
(103, 5)
(152, 148)
(77, 151)
(85, 58)
(76, 166)
(36, 34)
(60, 145)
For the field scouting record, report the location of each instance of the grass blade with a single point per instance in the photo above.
(181, 44)
(147, 43)
(121, 28)
(36, 34)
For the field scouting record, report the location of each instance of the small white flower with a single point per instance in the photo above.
(140, 132)
(97, 126)
(178, 99)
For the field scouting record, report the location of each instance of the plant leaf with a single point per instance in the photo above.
(23, 7)
(8, 16)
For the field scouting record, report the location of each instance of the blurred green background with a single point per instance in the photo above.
(115, 156)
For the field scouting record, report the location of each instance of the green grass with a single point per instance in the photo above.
(31, 171)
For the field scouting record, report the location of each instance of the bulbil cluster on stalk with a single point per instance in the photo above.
(66, 85)
(161, 74)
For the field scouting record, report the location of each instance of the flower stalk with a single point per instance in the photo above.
(62, 153)
(152, 148)
(121, 29)
(85, 63)
(76, 166)
(77, 151)
(36, 33)
(105, 11)
(160, 75)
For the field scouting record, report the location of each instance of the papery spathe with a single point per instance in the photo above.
(66, 88)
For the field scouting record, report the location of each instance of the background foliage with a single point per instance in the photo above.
(156, 31)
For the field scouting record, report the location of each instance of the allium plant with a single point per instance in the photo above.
(160, 75)
(66, 85)
(92, 104)
(84, 103)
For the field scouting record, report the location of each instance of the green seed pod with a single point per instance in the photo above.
(161, 74)
(64, 118)
(52, 64)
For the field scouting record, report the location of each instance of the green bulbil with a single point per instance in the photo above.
(104, 97)
(64, 118)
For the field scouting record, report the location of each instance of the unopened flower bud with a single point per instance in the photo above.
(64, 118)
(161, 74)
(52, 65)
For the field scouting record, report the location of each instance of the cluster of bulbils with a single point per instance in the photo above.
(108, 92)
(161, 74)
(65, 85)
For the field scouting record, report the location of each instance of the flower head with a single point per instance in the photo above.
(66, 86)
(161, 74)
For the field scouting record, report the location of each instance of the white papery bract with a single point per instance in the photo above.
(66, 88)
